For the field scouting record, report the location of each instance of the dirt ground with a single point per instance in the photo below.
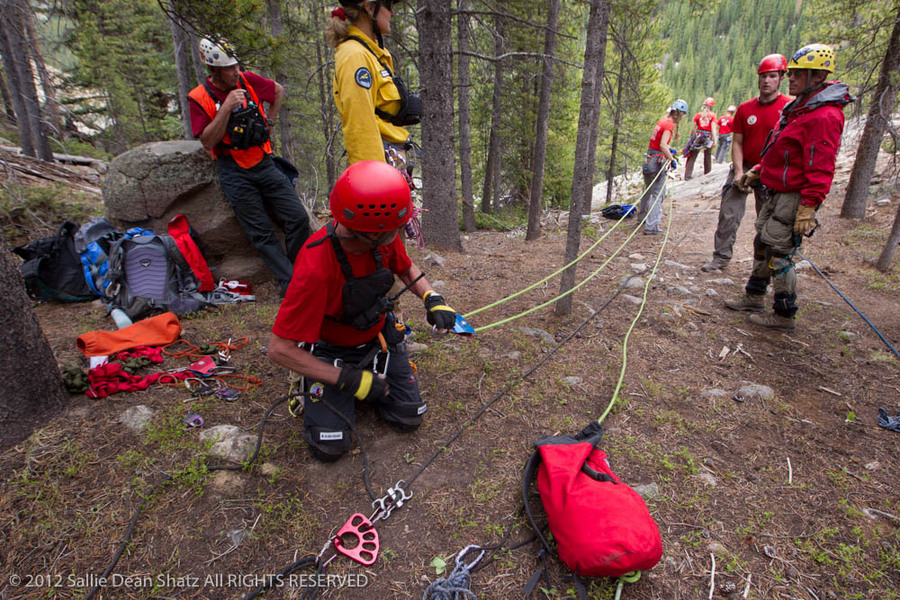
(792, 496)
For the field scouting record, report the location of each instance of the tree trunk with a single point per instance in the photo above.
(588, 182)
(10, 65)
(326, 102)
(617, 123)
(441, 225)
(51, 106)
(182, 47)
(33, 391)
(465, 125)
(594, 54)
(492, 165)
(276, 25)
(8, 108)
(854, 206)
(15, 13)
(543, 124)
(200, 70)
(883, 263)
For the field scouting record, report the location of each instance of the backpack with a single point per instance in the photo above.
(93, 242)
(147, 274)
(602, 527)
(618, 211)
(52, 269)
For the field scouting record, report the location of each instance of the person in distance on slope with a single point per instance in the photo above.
(724, 145)
(703, 138)
(658, 159)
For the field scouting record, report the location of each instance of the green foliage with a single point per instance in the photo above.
(124, 53)
(715, 51)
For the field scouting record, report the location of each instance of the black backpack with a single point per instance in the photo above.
(53, 269)
(147, 274)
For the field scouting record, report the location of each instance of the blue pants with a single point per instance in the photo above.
(250, 192)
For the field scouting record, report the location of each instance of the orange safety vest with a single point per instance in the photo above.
(244, 158)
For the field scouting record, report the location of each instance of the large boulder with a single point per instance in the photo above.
(152, 183)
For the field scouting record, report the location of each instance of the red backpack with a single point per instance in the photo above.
(602, 527)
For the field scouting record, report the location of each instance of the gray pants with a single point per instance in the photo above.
(651, 199)
(724, 146)
(773, 252)
(731, 211)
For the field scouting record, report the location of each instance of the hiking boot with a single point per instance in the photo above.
(652, 231)
(715, 264)
(773, 320)
(748, 302)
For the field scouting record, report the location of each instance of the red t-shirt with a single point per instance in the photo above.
(264, 88)
(663, 125)
(705, 121)
(754, 121)
(725, 124)
(315, 291)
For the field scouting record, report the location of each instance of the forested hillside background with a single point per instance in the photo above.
(114, 74)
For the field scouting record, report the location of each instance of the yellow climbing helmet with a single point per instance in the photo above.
(814, 56)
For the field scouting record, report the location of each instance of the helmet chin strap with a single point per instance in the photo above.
(375, 27)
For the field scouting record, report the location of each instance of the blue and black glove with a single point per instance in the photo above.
(362, 385)
(674, 158)
(439, 314)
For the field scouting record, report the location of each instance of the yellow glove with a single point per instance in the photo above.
(805, 219)
(439, 314)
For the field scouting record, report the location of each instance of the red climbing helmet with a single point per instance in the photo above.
(773, 62)
(709, 102)
(371, 196)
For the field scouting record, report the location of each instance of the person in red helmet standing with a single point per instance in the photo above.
(703, 138)
(753, 122)
(797, 168)
(337, 307)
(724, 144)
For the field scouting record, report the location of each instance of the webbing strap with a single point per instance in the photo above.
(380, 113)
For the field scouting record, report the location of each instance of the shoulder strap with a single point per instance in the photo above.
(339, 252)
(382, 114)
(366, 46)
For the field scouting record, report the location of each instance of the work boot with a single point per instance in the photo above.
(715, 264)
(773, 320)
(748, 303)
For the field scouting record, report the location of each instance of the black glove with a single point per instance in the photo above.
(362, 385)
(439, 314)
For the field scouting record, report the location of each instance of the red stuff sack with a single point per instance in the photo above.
(602, 527)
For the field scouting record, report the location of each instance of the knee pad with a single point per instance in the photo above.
(756, 286)
(405, 416)
(759, 248)
(327, 445)
(785, 304)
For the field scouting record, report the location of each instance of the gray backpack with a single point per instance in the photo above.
(148, 275)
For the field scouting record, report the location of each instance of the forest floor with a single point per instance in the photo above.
(792, 496)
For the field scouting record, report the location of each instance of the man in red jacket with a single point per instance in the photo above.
(797, 169)
(754, 121)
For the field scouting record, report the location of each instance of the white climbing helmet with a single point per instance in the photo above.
(217, 54)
